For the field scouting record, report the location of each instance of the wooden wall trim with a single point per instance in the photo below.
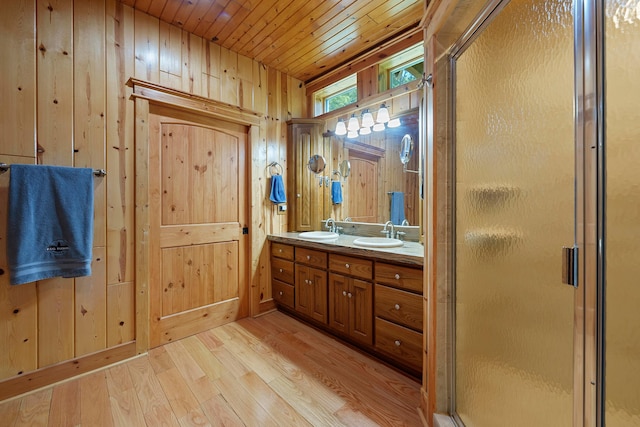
(187, 101)
(61, 371)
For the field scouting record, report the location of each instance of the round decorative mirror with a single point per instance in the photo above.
(406, 149)
(316, 164)
(345, 168)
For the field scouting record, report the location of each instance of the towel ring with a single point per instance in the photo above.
(278, 168)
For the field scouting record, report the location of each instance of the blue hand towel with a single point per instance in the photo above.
(336, 192)
(397, 207)
(50, 222)
(278, 194)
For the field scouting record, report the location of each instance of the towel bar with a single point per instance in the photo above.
(97, 172)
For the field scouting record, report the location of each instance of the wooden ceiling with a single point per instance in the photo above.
(303, 38)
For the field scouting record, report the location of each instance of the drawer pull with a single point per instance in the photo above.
(344, 293)
(280, 250)
(281, 293)
(397, 343)
(397, 276)
(281, 270)
(346, 265)
(397, 306)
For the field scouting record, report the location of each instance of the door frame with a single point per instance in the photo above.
(144, 94)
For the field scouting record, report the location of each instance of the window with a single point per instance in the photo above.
(401, 68)
(337, 95)
(406, 74)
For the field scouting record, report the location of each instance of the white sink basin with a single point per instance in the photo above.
(318, 235)
(378, 242)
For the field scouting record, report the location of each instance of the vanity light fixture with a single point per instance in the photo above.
(353, 125)
(383, 114)
(341, 128)
(367, 119)
(378, 127)
(394, 123)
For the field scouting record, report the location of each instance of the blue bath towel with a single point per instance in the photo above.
(278, 194)
(397, 207)
(336, 192)
(50, 222)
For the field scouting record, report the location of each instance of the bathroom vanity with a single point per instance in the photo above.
(371, 298)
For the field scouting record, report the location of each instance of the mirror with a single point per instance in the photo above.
(345, 168)
(406, 149)
(317, 164)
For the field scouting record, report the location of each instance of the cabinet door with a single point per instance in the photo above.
(318, 280)
(304, 190)
(339, 302)
(361, 311)
(304, 290)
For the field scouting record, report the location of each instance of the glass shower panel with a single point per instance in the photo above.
(622, 227)
(514, 211)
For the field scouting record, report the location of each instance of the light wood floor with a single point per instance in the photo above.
(268, 371)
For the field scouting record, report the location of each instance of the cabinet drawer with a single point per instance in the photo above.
(400, 277)
(283, 293)
(399, 306)
(356, 267)
(282, 251)
(282, 269)
(399, 342)
(311, 257)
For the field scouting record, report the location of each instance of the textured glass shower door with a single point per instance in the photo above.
(622, 226)
(514, 203)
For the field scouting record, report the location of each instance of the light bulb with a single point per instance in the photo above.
(341, 129)
(365, 131)
(352, 134)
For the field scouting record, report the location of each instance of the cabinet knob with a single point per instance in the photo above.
(397, 306)
(308, 257)
(347, 265)
(281, 293)
(344, 293)
(397, 276)
(306, 281)
(397, 343)
(298, 195)
(281, 270)
(311, 282)
(349, 295)
(280, 250)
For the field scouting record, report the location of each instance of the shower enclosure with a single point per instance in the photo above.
(546, 137)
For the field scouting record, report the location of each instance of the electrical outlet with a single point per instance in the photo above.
(282, 209)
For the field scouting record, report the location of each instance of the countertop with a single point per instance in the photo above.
(411, 253)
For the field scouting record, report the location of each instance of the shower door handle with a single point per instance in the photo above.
(570, 266)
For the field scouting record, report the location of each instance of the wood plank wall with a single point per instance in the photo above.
(63, 74)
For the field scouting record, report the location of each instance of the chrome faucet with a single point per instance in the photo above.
(332, 227)
(391, 234)
(404, 222)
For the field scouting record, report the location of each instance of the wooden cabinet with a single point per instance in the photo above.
(351, 298)
(351, 307)
(306, 193)
(311, 284)
(398, 311)
(282, 274)
(373, 304)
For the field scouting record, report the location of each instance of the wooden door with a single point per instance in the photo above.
(363, 190)
(198, 210)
